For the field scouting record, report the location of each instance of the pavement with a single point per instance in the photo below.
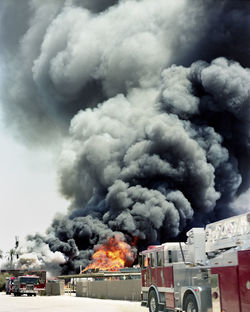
(66, 303)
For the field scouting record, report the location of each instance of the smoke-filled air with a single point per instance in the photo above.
(151, 100)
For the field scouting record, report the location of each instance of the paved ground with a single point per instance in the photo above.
(65, 304)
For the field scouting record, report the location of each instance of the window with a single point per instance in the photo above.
(152, 260)
(28, 280)
(145, 261)
(140, 260)
(170, 256)
(159, 258)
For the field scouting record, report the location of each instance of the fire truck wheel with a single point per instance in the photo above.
(153, 302)
(190, 304)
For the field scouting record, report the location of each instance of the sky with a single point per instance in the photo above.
(143, 126)
(29, 196)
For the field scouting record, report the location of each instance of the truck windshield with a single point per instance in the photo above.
(28, 280)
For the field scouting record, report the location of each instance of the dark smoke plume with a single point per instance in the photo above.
(156, 98)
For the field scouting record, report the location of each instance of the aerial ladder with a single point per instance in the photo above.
(208, 273)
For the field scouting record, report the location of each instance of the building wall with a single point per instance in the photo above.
(120, 289)
(54, 288)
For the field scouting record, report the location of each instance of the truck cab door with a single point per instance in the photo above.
(244, 279)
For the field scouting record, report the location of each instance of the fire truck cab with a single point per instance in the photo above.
(27, 284)
(208, 273)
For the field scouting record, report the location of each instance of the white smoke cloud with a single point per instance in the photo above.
(241, 203)
(36, 254)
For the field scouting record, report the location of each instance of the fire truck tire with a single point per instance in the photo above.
(153, 302)
(190, 304)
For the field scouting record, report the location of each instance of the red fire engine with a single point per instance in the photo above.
(28, 284)
(208, 273)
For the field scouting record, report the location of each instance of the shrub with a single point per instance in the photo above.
(3, 280)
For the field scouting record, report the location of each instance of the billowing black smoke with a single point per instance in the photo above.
(153, 148)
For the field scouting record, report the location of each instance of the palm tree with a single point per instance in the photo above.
(11, 253)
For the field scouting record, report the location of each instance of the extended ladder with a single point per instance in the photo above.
(228, 233)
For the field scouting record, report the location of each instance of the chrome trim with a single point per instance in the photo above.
(196, 295)
(214, 280)
(166, 289)
(159, 289)
(156, 291)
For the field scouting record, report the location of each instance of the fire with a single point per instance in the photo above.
(112, 255)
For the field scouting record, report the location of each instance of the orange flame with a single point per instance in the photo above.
(112, 255)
